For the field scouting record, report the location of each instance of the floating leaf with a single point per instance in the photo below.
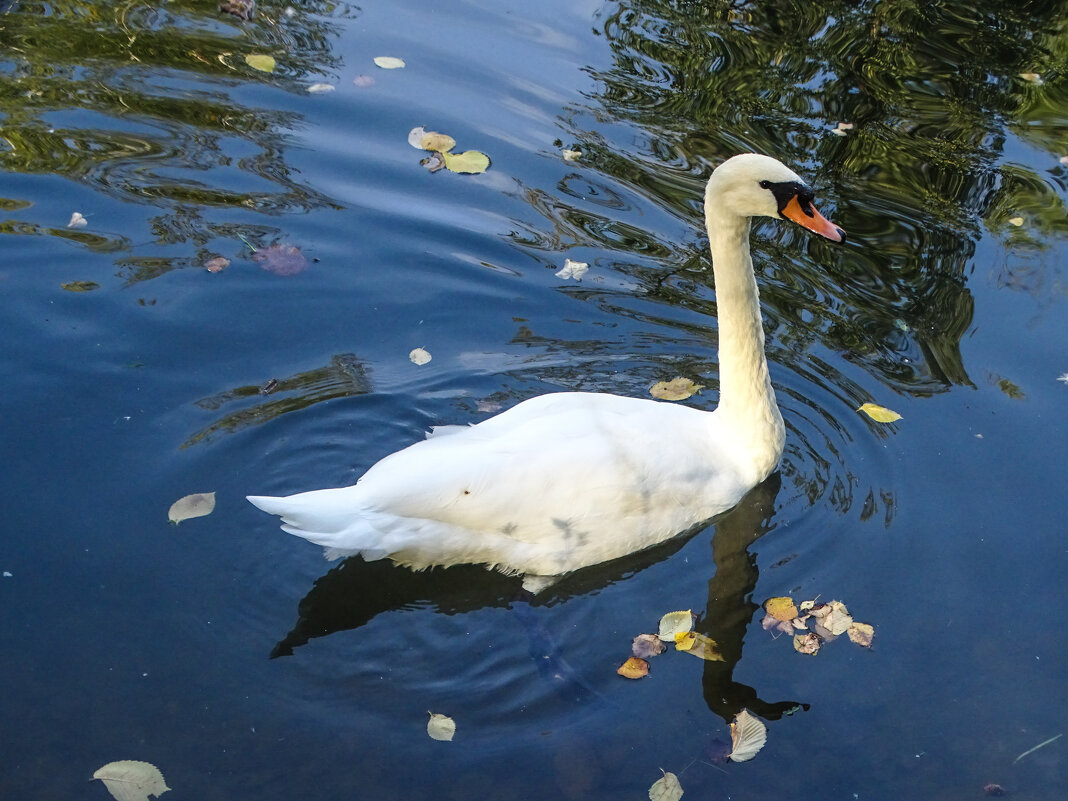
(77, 220)
(634, 668)
(217, 264)
(781, 608)
(260, 62)
(807, 643)
(442, 143)
(389, 62)
(674, 390)
(1017, 221)
(571, 155)
(879, 414)
(242, 9)
(666, 788)
(1010, 389)
(647, 645)
(440, 727)
(674, 622)
(281, 259)
(80, 286)
(838, 619)
(841, 128)
(319, 88)
(419, 356)
(196, 505)
(470, 161)
(748, 734)
(1032, 77)
(573, 269)
(769, 623)
(433, 162)
(696, 644)
(861, 634)
(130, 780)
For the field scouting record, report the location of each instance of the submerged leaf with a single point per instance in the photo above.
(281, 259)
(389, 62)
(748, 734)
(198, 504)
(666, 788)
(130, 780)
(260, 62)
(674, 390)
(440, 727)
(634, 668)
(470, 161)
(879, 414)
(674, 622)
(647, 645)
(80, 286)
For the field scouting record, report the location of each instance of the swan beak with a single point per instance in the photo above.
(812, 220)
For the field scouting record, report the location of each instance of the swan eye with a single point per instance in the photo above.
(765, 184)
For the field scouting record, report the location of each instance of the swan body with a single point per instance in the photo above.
(571, 479)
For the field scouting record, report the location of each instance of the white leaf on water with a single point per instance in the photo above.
(77, 220)
(748, 735)
(440, 727)
(130, 780)
(389, 62)
(319, 88)
(666, 788)
(675, 623)
(196, 505)
(419, 356)
(573, 269)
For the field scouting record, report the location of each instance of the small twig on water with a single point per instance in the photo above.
(1032, 750)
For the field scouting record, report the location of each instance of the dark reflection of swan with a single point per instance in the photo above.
(355, 592)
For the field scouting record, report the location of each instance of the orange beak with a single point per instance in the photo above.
(812, 220)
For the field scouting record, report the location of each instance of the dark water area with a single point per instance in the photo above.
(125, 637)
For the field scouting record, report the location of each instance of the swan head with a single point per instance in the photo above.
(752, 185)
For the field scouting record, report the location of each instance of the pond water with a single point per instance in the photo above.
(128, 638)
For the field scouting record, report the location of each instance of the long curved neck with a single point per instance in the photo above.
(745, 395)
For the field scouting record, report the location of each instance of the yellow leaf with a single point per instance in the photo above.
(634, 668)
(781, 608)
(666, 788)
(130, 780)
(879, 414)
(674, 622)
(260, 62)
(696, 644)
(470, 161)
(440, 727)
(748, 734)
(861, 634)
(676, 389)
(432, 140)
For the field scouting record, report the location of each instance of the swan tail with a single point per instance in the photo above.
(323, 517)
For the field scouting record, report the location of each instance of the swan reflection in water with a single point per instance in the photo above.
(355, 592)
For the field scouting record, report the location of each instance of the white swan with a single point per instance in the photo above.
(567, 480)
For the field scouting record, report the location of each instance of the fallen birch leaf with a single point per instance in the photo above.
(198, 504)
(647, 645)
(130, 780)
(573, 269)
(699, 645)
(634, 668)
(838, 619)
(260, 62)
(419, 356)
(861, 634)
(666, 788)
(879, 414)
(781, 608)
(80, 286)
(440, 727)
(389, 62)
(674, 390)
(77, 220)
(807, 643)
(674, 622)
(422, 139)
(748, 735)
(470, 162)
(319, 88)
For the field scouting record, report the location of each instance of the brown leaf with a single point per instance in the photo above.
(807, 643)
(861, 634)
(647, 645)
(217, 264)
(634, 668)
(281, 259)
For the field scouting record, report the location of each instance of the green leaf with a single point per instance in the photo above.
(470, 161)
(260, 62)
